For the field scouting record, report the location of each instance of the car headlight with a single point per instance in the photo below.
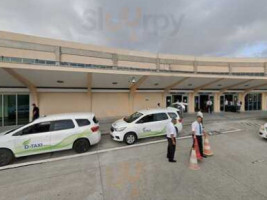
(120, 129)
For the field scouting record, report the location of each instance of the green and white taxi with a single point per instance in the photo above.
(144, 124)
(48, 134)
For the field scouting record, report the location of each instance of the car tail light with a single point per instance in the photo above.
(95, 128)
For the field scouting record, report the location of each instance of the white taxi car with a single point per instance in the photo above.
(48, 134)
(263, 131)
(144, 124)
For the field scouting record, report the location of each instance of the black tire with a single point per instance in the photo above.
(6, 157)
(130, 138)
(81, 145)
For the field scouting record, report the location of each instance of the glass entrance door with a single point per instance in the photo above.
(197, 107)
(168, 101)
(14, 109)
(10, 110)
(253, 101)
(222, 103)
(185, 100)
(201, 102)
(23, 109)
(1, 110)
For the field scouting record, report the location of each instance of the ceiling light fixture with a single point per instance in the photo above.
(133, 80)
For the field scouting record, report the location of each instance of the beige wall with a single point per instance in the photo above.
(85, 60)
(147, 100)
(11, 52)
(103, 104)
(182, 68)
(110, 104)
(136, 64)
(213, 69)
(264, 101)
(53, 103)
(248, 69)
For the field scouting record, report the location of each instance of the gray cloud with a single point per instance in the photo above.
(202, 27)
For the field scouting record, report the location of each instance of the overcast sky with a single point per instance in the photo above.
(232, 28)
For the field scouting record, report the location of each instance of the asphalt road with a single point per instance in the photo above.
(236, 171)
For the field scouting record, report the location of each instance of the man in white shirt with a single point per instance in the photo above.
(209, 106)
(198, 131)
(171, 136)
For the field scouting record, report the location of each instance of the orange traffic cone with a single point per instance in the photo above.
(207, 149)
(193, 160)
(196, 147)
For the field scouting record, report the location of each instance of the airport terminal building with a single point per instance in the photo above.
(62, 77)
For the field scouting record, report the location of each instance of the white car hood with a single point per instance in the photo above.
(119, 123)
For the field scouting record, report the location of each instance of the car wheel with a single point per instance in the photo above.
(130, 138)
(81, 145)
(6, 157)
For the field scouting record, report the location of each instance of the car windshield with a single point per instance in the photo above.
(133, 117)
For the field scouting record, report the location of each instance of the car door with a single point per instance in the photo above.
(63, 134)
(33, 139)
(152, 125)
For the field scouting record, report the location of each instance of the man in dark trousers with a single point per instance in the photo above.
(171, 136)
(35, 112)
(198, 131)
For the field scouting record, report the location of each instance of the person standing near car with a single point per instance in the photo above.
(35, 112)
(197, 132)
(171, 136)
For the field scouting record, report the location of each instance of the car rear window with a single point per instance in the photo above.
(62, 125)
(172, 115)
(160, 117)
(82, 122)
(95, 120)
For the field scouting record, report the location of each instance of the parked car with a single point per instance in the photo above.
(144, 124)
(263, 131)
(51, 133)
(180, 106)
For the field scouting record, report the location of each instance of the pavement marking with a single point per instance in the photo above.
(232, 131)
(85, 154)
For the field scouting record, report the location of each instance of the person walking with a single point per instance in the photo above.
(171, 136)
(35, 112)
(197, 132)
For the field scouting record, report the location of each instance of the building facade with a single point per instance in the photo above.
(61, 76)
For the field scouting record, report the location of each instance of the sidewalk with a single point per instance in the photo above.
(105, 123)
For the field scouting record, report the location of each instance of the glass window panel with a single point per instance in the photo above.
(259, 101)
(9, 110)
(23, 109)
(37, 128)
(62, 125)
(82, 122)
(1, 111)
